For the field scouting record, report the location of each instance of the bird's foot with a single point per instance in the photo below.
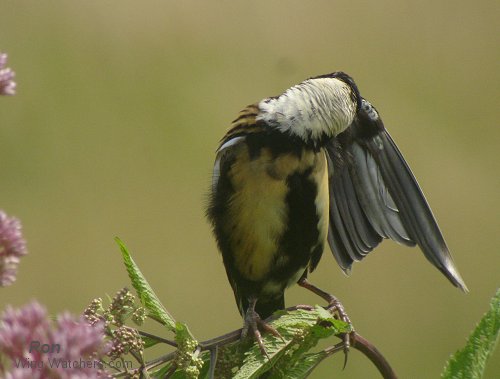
(254, 323)
(337, 309)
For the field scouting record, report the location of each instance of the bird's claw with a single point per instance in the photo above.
(336, 307)
(254, 322)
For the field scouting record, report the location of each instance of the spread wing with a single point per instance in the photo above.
(374, 195)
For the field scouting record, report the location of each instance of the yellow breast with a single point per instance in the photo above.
(258, 209)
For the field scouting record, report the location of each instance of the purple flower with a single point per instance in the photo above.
(12, 248)
(7, 84)
(36, 348)
(19, 373)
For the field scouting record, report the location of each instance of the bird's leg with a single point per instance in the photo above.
(333, 304)
(253, 322)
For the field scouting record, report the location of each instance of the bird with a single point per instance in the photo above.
(310, 167)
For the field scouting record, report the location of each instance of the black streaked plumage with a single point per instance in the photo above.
(314, 164)
(299, 238)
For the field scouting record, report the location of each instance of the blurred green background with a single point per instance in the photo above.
(120, 107)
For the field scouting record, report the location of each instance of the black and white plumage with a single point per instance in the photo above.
(311, 166)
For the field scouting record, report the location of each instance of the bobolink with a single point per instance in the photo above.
(311, 165)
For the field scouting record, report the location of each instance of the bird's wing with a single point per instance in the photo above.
(374, 195)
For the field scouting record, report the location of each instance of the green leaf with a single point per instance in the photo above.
(255, 363)
(301, 330)
(146, 294)
(470, 362)
(184, 338)
(149, 342)
(304, 366)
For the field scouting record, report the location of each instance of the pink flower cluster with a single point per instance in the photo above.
(33, 347)
(12, 248)
(7, 84)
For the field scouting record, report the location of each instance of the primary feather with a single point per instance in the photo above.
(386, 200)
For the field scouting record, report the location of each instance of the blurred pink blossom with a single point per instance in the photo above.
(7, 84)
(68, 348)
(12, 248)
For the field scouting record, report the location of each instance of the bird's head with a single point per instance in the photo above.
(315, 110)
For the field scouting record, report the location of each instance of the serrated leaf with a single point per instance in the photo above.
(303, 367)
(147, 297)
(301, 330)
(470, 362)
(256, 363)
(323, 313)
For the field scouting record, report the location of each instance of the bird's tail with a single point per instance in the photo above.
(266, 308)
